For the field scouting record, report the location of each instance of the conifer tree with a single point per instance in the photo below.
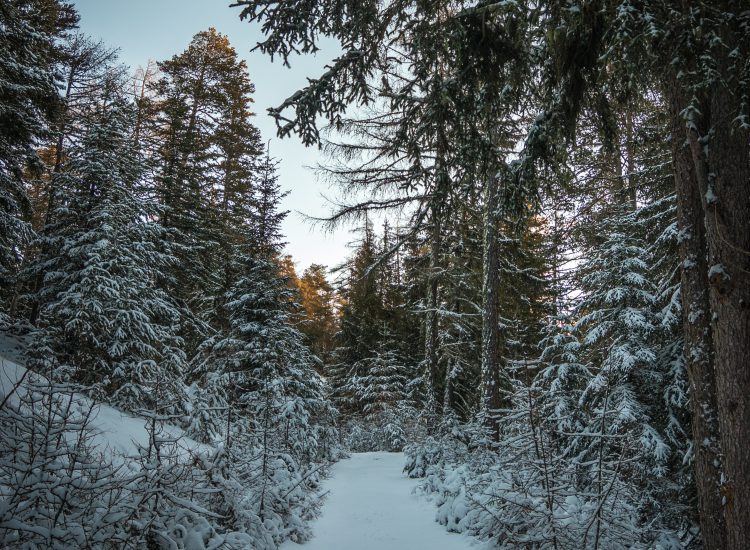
(318, 320)
(88, 70)
(267, 216)
(29, 48)
(104, 323)
(379, 387)
(361, 313)
(206, 161)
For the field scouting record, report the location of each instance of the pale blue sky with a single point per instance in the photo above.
(158, 29)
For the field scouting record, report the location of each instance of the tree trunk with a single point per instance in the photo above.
(492, 399)
(698, 345)
(726, 199)
(431, 330)
(139, 99)
(437, 212)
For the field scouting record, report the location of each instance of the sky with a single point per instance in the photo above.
(159, 29)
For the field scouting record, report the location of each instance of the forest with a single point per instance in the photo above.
(544, 319)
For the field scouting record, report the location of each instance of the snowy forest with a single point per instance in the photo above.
(543, 326)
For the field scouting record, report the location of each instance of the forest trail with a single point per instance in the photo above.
(370, 506)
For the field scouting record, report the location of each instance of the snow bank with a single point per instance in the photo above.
(75, 474)
(114, 432)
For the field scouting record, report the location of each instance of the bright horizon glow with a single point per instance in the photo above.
(159, 29)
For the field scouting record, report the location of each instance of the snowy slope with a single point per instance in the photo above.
(114, 430)
(371, 506)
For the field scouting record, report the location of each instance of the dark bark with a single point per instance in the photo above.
(726, 199)
(698, 345)
(432, 327)
(437, 213)
(721, 156)
(492, 398)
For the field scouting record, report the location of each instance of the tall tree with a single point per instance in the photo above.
(267, 216)
(29, 49)
(588, 56)
(104, 323)
(206, 158)
(704, 86)
(319, 318)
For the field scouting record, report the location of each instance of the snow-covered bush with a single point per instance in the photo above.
(61, 485)
(388, 429)
(378, 387)
(56, 488)
(531, 489)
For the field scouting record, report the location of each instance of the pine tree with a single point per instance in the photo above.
(617, 323)
(361, 313)
(318, 320)
(88, 70)
(104, 323)
(206, 164)
(267, 217)
(379, 387)
(268, 406)
(29, 99)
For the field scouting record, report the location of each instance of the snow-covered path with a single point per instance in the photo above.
(371, 507)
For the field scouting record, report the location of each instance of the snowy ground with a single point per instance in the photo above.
(116, 433)
(370, 506)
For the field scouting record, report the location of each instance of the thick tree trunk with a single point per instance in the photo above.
(726, 197)
(437, 213)
(699, 355)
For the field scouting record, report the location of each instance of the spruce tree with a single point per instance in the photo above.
(361, 312)
(29, 48)
(205, 159)
(318, 317)
(379, 385)
(104, 324)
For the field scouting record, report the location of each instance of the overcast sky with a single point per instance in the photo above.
(158, 29)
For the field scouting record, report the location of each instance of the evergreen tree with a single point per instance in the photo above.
(361, 312)
(379, 387)
(318, 321)
(265, 399)
(104, 323)
(267, 217)
(617, 323)
(206, 161)
(29, 101)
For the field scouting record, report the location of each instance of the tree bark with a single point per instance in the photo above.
(437, 213)
(698, 344)
(434, 402)
(726, 199)
(492, 398)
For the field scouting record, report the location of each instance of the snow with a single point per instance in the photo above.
(717, 271)
(371, 506)
(711, 197)
(112, 429)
